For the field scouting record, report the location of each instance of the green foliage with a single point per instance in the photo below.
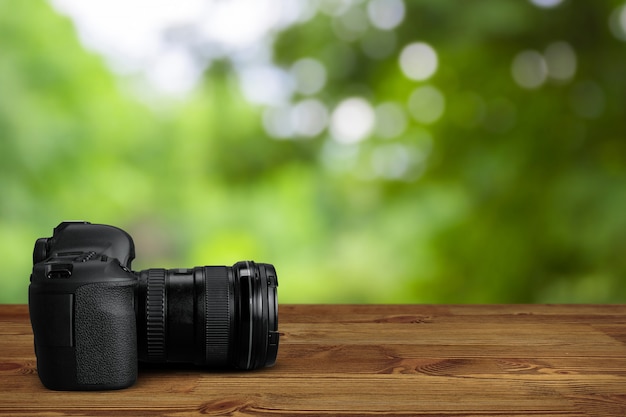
(511, 194)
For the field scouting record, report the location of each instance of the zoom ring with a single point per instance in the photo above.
(155, 315)
(216, 307)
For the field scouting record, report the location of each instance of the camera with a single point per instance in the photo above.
(94, 318)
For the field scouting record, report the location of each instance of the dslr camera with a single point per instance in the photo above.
(94, 318)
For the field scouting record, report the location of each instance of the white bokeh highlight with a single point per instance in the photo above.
(352, 120)
(418, 61)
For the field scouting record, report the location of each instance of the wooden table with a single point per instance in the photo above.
(425, 360)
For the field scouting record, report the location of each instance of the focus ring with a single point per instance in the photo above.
(217, 315)
(155, 315)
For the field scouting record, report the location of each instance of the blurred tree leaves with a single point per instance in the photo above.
(67, 135)
(541, 207)
(504, 194)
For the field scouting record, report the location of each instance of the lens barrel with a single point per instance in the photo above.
(214, 316)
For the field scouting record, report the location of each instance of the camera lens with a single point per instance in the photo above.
(215, 316)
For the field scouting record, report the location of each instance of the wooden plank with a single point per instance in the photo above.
(372, 360)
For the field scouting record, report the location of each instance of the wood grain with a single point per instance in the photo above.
(501, 360)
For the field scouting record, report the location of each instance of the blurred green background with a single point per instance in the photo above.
(375, 151)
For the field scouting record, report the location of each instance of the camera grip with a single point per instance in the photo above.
(106, 335)
(86, 340)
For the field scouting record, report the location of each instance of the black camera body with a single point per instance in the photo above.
(94, 318)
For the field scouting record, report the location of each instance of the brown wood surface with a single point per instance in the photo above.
(503, 360)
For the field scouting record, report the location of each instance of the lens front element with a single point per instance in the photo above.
(257, 314)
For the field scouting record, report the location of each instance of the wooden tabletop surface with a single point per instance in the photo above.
(424, 360)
